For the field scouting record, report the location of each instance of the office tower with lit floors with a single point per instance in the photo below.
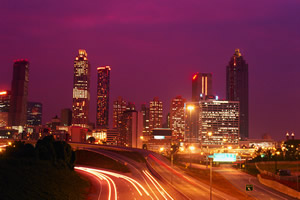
(4, 107)
(81, 90)
(146, 122)
(119, 107)
(103, 96)
(201, 86)
(219, 123)
(19, 93)
(34, 113)
(237, 89)
(155, 114)
(177, 118)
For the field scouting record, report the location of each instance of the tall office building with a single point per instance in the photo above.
(237, 88)
(4, 107)
(19, 93)
(34, 113)
(130, 106)
(119, 108)
(218, 123)
(66, 117)
(201, 86)
(103, 96)
(177, 117)
(131, 129)
(81, 90)
(155, 114)
(146, 122)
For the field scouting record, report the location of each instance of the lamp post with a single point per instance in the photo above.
(191, 148)
(276, 155)
(190, 109)
(210, 177)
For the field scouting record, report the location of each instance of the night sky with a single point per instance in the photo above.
(154, 48)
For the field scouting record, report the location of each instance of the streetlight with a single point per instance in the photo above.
(190, 108)
(277, 154)
(161, 149)
(191, 148)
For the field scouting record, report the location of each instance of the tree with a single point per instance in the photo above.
(91, 140)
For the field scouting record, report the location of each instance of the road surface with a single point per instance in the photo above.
(240, 180)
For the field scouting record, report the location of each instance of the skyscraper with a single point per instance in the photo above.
(237, 88)
(119, 108)
(177, 119)
(4, 107)
(103, 96)
(155, 114)
(34, 113)
(201, 86)
(81, 90)
(19, 93)
(219, 123)
(146, 122)
(131, 129)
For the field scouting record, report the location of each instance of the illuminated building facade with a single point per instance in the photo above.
(155, 114)
(19, 93)
(81, 90)
(119, 107)
(237, 89)
(146, 122)
(130, 106)
(4, 107)
(218, 123)
(103, 96)
(131, 129)
(34, 113)
(177, 117)
(201, 86)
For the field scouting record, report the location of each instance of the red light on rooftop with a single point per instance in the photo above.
(104, 67)
(195, 76)
(3, 93)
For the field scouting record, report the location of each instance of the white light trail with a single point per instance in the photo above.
(162, 191)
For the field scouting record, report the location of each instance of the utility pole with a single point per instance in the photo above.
(210, 190)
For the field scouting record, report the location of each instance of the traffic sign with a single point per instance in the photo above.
(224, 157)
(249, 187)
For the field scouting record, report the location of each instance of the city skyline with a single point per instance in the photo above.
(178, 47)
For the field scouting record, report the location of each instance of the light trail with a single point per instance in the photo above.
(103, 177)
(162, 191)
(139, 188)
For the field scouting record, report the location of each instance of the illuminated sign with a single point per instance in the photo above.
(159, 137)
(224, 157)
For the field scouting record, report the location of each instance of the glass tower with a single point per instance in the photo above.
(237, 88)
(103, 96)
(81, 90)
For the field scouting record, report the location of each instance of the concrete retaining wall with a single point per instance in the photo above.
(279, 187)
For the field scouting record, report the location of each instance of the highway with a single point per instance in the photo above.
(240, 180)
(141, 174)
(190, 187)
(114, 186)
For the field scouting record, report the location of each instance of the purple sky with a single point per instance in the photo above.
(154, 47)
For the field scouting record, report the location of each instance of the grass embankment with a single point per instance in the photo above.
(136, 156)
(270, 166)
(35, 180)
(93, 159)
(219, 182)
(250, 168)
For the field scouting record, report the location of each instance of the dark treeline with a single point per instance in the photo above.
(59, 153)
